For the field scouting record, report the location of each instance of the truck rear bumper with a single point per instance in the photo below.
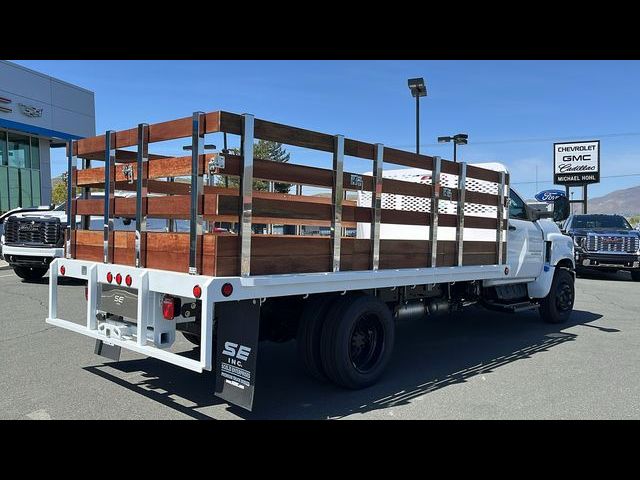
(152, 334)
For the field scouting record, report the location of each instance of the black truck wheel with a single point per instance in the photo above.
(30, 273)
(635, 275)
(357, 341)
(309, 333)
(558, 304)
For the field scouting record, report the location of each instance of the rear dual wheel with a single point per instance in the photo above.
(346, 339)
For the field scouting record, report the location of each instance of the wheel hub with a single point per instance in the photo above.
(564, 299)
(366, 343)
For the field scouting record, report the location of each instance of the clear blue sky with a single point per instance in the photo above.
(498, 103)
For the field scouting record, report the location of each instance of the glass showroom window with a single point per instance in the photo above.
(4, 189)
(4, 173)
(35, 153)
(19, 171)
(3, 149)
(19, 150)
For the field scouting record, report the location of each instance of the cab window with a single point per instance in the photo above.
(517, 209)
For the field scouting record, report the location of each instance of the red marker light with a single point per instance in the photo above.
(227, 289)
(128, 280)
(170, 307)
(118, 279)
(62, 270)
(197, 291)
(109, 277)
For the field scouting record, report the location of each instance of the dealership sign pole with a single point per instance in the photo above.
(576, 164)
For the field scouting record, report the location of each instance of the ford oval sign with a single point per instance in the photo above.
(549, 195)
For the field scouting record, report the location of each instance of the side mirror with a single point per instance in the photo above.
(561, 209)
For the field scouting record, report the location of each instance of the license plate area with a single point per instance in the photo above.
(121, 301)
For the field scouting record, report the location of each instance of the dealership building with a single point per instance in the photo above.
(37, 113)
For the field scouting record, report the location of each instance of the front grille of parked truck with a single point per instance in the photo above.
(612, 243)
(32, 231)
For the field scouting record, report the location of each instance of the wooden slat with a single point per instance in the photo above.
(158, 132)
(277, 254)
(279, 208)
(122, 156)
(408, 159)
(482, 174)
(278, 172)
(299, 137)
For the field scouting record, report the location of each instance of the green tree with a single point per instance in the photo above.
(264, 150)
(59, 191)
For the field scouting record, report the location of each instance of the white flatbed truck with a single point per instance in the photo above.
(467, 238)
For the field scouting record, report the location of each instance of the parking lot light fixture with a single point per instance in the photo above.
(457, 139)
(418, 89)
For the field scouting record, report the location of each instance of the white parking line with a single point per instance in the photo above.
(2, 276)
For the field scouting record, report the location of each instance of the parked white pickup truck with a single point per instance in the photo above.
(32, 238)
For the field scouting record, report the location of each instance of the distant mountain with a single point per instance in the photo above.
(624, 202)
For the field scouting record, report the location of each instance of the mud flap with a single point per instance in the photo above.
(237, 351)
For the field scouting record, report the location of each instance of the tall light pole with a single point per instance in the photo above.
(418, 89)
(457, 139)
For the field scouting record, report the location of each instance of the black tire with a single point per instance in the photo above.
(556, 307)
(635, 275)
(309, 334)
(357, 341)
(30, 274)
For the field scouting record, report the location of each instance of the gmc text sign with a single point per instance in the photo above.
(576, 163)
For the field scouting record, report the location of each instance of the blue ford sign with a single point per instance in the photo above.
(549, 195)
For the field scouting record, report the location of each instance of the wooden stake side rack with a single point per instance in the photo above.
(202, 251)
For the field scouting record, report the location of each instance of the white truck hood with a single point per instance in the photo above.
(62, 215)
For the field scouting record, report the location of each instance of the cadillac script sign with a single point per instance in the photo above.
(576, 163)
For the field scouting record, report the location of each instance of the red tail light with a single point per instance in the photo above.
(118, 278)
(128, 280)
(109, 277)
(62, 270)
(197, 291)
(227, 289)
(170, 307)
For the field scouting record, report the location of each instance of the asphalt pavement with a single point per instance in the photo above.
(472, 365)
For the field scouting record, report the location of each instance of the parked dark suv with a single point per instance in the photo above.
(604, 242)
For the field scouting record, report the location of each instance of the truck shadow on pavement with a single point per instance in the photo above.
(428, 355)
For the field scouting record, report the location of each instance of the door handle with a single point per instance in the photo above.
(511, 227)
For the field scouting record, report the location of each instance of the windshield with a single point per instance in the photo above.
(601, 221)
